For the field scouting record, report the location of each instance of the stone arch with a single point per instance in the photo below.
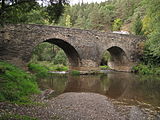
(70, 51)
(119, 60)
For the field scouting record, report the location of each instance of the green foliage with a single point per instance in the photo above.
(60, 58)
(16, 117)
(75, 72)
(89, 16)
(55, 9)
(142, 69)
(50, 66)
(152, 46)
(44, 52)
(137, 26)
(105, 67)
(49, 52)
(68, 21)
(146, 69)
(39, 70)
(16, 85)
(59, 68)
(152, 49)
(29, 11)
(117, 24)
(105, 57)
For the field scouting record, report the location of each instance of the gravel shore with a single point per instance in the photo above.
(77, 106)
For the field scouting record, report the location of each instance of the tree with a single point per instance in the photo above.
(152, 46)
(16, 10)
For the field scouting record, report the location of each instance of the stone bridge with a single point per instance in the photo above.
(84, 48)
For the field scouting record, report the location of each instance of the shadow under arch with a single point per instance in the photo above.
(119, 60)
(70, 51)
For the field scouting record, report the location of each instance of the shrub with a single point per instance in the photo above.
(146, 69)
(117, 24)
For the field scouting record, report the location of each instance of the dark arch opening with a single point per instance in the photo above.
(115, 58)
(69, 50)
(118, 60)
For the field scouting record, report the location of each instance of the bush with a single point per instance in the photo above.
(142, 69)
(117, 24)
(16, 84)
(146, 69)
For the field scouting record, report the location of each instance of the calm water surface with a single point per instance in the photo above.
(127, 87)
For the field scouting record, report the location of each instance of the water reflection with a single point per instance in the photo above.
(84, 84)
(116, 85)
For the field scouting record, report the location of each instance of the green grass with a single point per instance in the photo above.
(58, 68)
(105, 67)
(75, 72)
(146, 69)
(39, 70)
(16, 117)
(15, 84)
(42, 71)
(51, 66)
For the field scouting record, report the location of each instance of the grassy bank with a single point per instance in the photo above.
(49, 66)
(41, 69)
(16, 85)
(146, 69)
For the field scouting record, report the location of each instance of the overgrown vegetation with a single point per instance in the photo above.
(16, 85)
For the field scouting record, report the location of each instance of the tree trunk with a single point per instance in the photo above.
(3, 4)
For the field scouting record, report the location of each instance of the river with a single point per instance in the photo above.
(126, 88)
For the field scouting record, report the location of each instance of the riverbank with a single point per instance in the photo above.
(72, 105)
(76, 106)
(16, 85)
